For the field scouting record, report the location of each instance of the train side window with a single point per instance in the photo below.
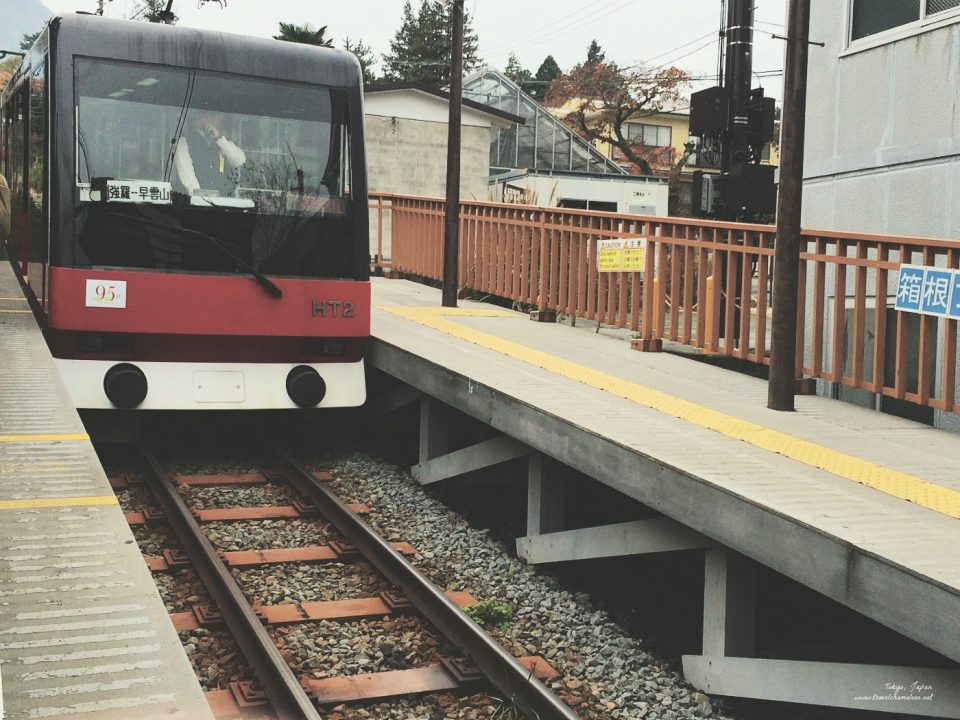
(37, 172)
(15, 120)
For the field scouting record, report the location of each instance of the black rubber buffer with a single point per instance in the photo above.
(305, 386)
(125, 385)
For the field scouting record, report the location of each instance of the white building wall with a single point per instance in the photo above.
(882, 145)
(406, 138)
(882, 150)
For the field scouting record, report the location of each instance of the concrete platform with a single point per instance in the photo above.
(83, 631)
(818, 494)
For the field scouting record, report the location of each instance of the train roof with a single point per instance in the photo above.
(98, 37)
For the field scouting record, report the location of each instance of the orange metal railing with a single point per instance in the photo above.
(705, 284)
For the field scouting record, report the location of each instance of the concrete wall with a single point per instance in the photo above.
(410, 157)
(882, 149)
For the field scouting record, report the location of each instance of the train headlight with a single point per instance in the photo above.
(305, 386)
(125, 385)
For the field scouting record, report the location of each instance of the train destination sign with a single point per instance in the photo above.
(133, 191)
(929, 291)
(621, 255)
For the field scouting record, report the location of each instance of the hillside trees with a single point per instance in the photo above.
(306, 34)
(546, 73)
(365, 56)
(516, 72)
(420, 49)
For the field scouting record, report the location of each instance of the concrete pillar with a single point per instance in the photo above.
(546, 495)
(729, 604)
(434, 429)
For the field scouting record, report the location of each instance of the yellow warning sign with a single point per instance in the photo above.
(621, 255)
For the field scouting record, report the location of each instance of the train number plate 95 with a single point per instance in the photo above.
(106, 293)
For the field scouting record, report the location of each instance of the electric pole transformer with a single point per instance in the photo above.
(734, 122)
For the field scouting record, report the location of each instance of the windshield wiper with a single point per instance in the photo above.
(271, 287)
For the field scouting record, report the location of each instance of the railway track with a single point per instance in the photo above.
(466, 660)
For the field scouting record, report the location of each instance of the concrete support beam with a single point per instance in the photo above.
(881, 688)
(546, 495)
(869, 583)
(629, 538)
(729, 603)
(434, 429)
(393, 399)
(476, 457)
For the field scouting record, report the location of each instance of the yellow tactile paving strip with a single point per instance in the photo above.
(15, 311)
(59, 437)
(892, 482)
(35, 503)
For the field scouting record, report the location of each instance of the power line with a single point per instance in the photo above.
(576, 25)
(710, 34)
(498, 49)
(685, 55)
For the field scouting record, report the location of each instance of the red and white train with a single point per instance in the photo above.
(189, 215)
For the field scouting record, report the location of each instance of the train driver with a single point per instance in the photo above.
(209, 161)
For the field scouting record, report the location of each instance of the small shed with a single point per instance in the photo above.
(406, 135)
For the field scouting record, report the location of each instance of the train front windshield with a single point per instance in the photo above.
(183, 170)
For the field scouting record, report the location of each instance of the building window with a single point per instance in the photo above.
(651, 135)
(874, 16)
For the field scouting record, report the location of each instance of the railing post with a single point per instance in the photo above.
(648, 342)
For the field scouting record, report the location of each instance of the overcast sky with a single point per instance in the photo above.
(657, 32)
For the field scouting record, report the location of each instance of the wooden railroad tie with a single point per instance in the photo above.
(384, 605)
(331, 552)
(152, 515)
(240, 698)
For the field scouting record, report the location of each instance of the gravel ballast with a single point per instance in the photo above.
(605, 673)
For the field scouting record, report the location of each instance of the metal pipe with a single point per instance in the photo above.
(737, 79)
(783, 342)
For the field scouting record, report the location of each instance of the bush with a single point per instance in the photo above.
(491, 613)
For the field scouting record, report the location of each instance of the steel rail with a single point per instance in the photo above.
(500, 667)
(287, 697)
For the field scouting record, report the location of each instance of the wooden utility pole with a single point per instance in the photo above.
(786, 257)
(451, 230)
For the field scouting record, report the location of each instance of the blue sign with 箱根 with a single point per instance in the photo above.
(910, 288)
(928, 291)
(937, 285)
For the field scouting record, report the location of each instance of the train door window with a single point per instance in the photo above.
(38, 247)
(4, 182)
(15, 121)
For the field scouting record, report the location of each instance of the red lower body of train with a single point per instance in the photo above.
(181, 341)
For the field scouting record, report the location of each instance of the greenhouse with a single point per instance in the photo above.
(543, 143)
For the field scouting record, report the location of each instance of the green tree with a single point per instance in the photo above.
(365, 56)
(595, 54)
(516, 72)
(546, 73)
(420, 49)
(305, 34)
(26, 42)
